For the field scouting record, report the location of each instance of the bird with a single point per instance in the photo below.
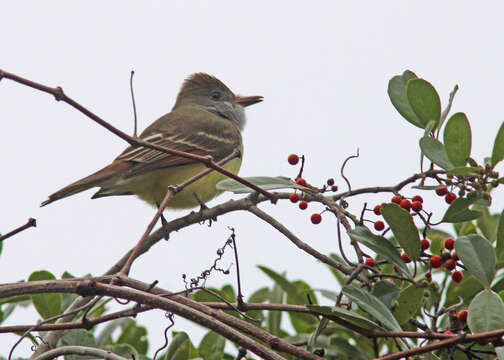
(207, 119)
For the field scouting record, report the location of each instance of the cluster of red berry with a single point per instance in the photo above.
(316, 218)
(449, 260)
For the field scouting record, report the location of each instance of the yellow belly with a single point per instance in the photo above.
(152, 187)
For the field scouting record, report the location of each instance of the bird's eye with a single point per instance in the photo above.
(216, 95)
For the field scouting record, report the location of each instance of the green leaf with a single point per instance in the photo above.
(275, 317)
(372, 306)
(285, 284)
(435, 152)
(409, 302)
(381, 246)
(386, 292)
(500, 237)
(301, 322)
(466, 289)
(77, 337)
(445, 112)
(486, 312)
(424, 100)
(487, 223)
(459, 211)
(124, 350)
(498, 148)
(428, 187)
(49, 304)
(478, 256)
(179, 348)
(135, 336)
(259, 296)
(350, 316)
(465, 171)
(212, 346)
(500, 352)
(457, 139)
(264, 182)
(397, 95)
(404, 229)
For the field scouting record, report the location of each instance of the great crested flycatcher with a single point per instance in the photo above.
(207, 119)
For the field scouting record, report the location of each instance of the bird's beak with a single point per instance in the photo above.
(247, 100)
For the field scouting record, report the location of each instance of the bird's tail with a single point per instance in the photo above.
(99, 178)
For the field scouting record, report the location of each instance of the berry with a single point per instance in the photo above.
(334, 188)
(454, 256)
(450, 197)
(457, 276)
(377, 210)
(416, 206)
(405, 204)
(406, 258)
(462, 316)
(293, 159)
(316, 218)
(442, 191)
(379, 225)
(301, 181)
(396, 199)
(390, 280)
(294, 197)
(449, 243)
(435, 261)
(445, 256)
(450, 264)
(330, 182)
(303, 205)
(417, 198)
(370, 262)
(448, 332)
(428, 276)
(425, 244)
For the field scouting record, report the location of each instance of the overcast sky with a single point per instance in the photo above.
(323, 70)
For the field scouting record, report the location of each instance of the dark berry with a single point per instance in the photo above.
(416, 206)
(301, 181)
(303, 205)
(457, 276)
(425, 244)
(330, 182)
(417, 198)
(379, 225)
(294, 197)
(406, 258)
(450, 264)
(449, 243)
(442, 191)
(316, 218)
(377, 210)
(450, 197)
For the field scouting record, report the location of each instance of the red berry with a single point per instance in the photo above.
(379, 225)
(294, 197)
(334, 188)
(293, 159)
(377, 210)
(448, 332)
(454, 256)
(405, 204)
(406, 258)
(417, 198)
(450, 197)
(416, 206)
(450, 264)
(316, 218)
(462, 316)
(442, 191)
(449, 243)
(428, 276)
(457, 276)
(425, 244)
(435, 261)
(303, 205)
(396, 199)
(330, 182)
(370, 262)
(390, 280)
(301, 181)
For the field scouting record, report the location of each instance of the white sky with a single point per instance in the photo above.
(323, 70)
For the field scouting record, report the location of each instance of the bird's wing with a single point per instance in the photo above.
(217, 141)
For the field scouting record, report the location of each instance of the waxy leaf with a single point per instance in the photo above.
(372, 306)
(48, 304)
(498, 148)
(478, 256)
(465, 171)
(397, 95)
(350, 316)
(212, 346)
(386, 291)
(435, 152)
(264, 182)
(404, 229)
(424, 100)
(500, 237)
(410, 300)
(381, 246)
(459, 211)
(486, 312)
(457, 139)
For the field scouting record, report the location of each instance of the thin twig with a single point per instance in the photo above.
(134, 105)
(342, 171)
(30, 223)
